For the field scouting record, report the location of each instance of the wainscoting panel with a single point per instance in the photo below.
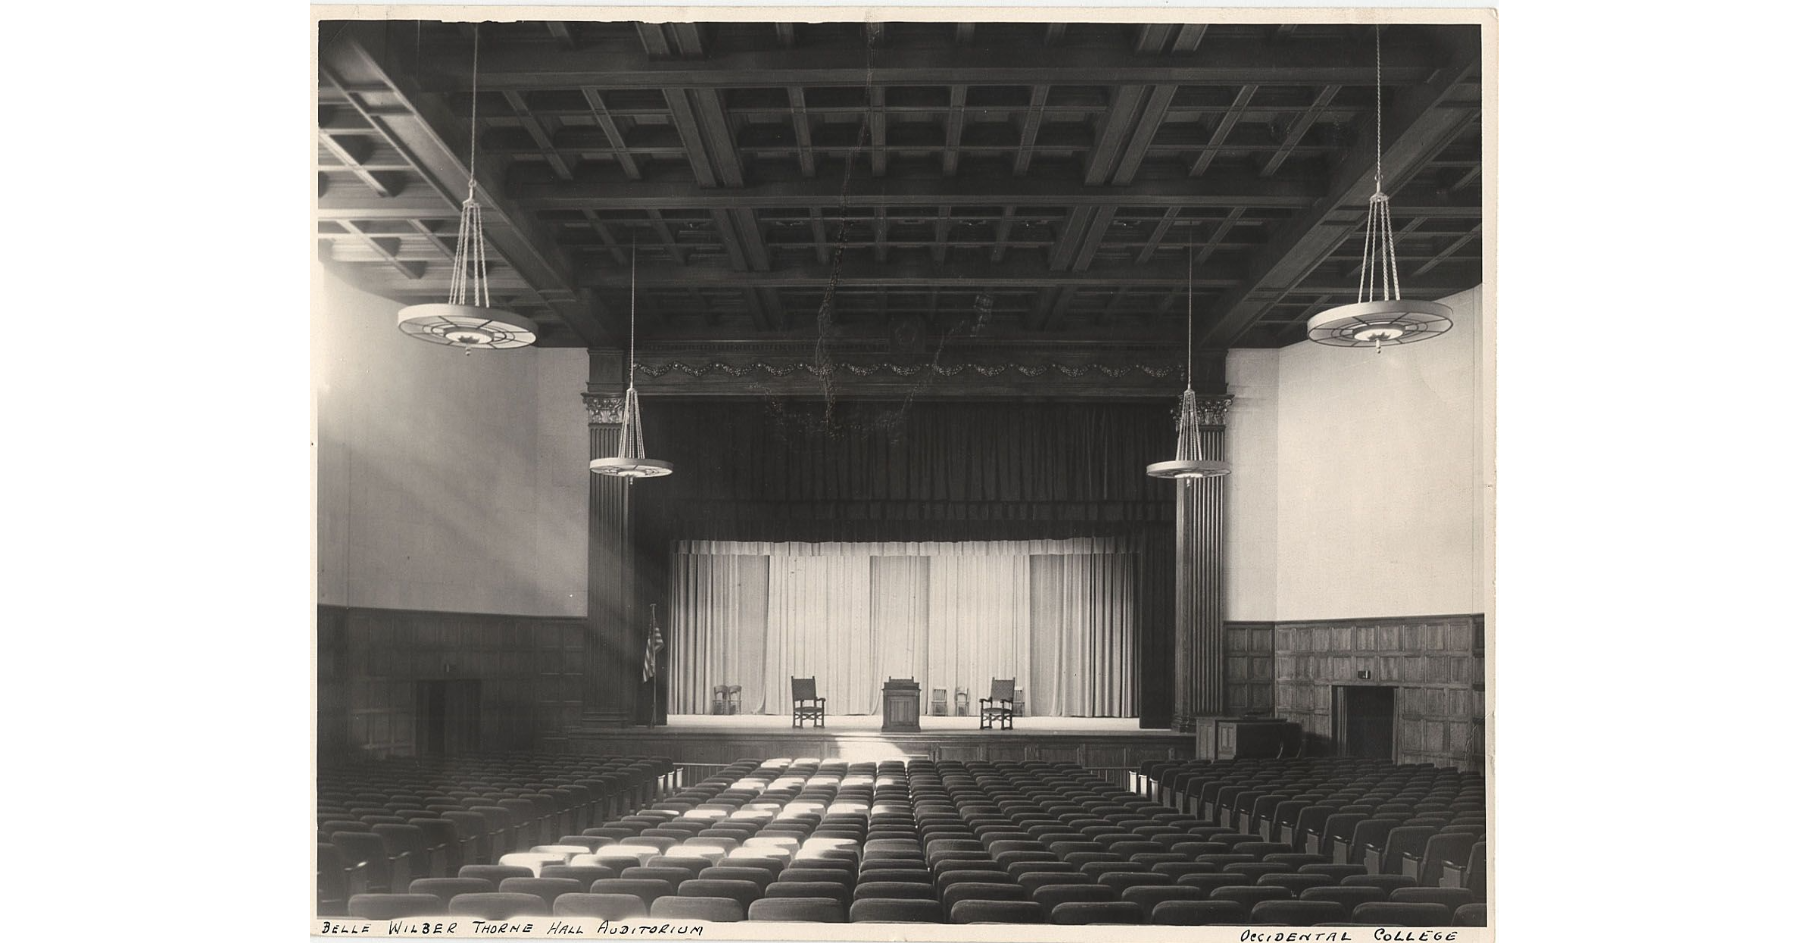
(1435, 662)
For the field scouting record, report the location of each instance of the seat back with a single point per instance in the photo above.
(710, 909)
(1295, 913)
(797, 910)
(1392, 914)
(498, 905)
(995, 911)
(1080, 912)
(1004, 690)
(1196, 913)
(394, 906)
(803, 689)
(604, 906)
(894, 910)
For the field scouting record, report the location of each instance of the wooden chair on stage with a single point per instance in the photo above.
(1000, 708)
(805, 705)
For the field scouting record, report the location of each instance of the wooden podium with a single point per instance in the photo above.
(903, 705)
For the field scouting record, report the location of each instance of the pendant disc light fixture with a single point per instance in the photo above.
(1379, 317)
(1189, 453)
(466, 319)
(630, 460)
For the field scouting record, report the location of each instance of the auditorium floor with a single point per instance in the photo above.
(870, 723)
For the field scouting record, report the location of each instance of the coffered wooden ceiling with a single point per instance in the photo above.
(1012, 182)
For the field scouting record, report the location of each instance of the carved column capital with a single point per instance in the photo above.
(1214, 409)
(605, 409)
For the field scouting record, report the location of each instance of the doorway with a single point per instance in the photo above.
(449, 717)
(1363, 721)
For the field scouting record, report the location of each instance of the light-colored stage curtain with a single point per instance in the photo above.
(900, 618)
(1059, 616)
(819, 625)
(1084, 611)
(718, 628)
(979, 624)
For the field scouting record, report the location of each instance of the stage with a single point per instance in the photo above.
(1102, 743)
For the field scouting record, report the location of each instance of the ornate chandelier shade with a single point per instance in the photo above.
(466, 319)
(1189, 460)
(1379, 317)
(630, 460)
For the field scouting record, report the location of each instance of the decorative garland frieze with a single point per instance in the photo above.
(791, 368)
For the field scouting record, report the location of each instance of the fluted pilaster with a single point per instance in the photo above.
(1199, 579)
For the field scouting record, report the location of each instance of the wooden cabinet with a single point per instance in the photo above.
(1230, 738)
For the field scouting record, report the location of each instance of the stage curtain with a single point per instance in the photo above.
(1059, 616)
(718, 633)
(818, 618)
(900, 618)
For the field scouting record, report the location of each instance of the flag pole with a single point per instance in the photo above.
(653, 626)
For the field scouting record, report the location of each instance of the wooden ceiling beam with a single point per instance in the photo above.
(940, 252)
(386, 248)
(1217, 237)
(1021, 272)
(800, 130)
(356, 56)
(1226, 188)
(1297, 131)
(531, 124)
(1222, 131)
(1419, 125)
(875, 120)
(599, 112)
(1032, 123)
(951, 130)
(664, 230)
(353, 157)
(1216, 62)
(1444, 254)
(1001, 241)
(1161, 232)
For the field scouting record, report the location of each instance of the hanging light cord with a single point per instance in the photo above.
(633, 440)
(1379, 277)
(1187, 447)
(469, 263)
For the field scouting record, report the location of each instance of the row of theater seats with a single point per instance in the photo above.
(925, 842)
(1425, 822)
(384, 824)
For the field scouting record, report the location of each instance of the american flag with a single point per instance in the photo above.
(649, 666)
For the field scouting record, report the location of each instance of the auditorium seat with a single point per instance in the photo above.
(1294, 913)
(974, 910)
(894, 910)
(1249, 894)
(645, 889)
(1197, 913)
(1089, 912)
(1348, 897)
(498, 905)
(601, 905)
(1391, 914)
(547, 889)
(394, 906)
(1387, 882)
(1295, 883)
(1149, 895)
(832, 890)
(1050, 895)
(798, 910)
(1452, 897)
(1471, 915)
(707, 909)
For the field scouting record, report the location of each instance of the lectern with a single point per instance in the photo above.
(903, 705)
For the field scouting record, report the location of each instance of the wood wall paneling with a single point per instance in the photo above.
(371, 659)
(1433, 661)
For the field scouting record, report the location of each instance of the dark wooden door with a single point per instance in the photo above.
(1365, 721)
(450, 717)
